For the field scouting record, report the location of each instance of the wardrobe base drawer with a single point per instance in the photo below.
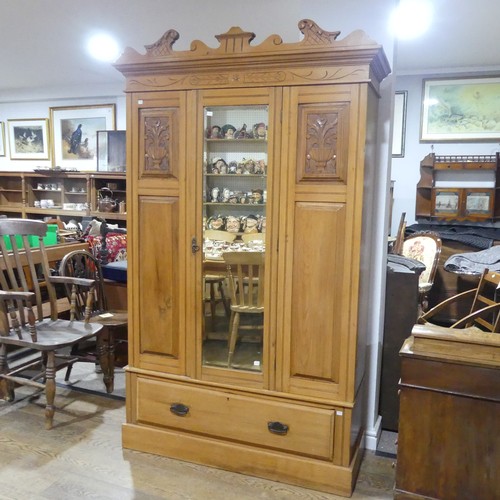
(265, 422)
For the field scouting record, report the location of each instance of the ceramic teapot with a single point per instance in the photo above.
(105, 203)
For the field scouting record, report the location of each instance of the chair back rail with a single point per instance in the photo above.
(485, 309)
(216, 235)
(245, 271)
(22, 272)
(82, 264)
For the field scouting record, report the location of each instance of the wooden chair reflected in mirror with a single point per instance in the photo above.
(426, 248)
(214, 280)
(82, 264)
(245, 273)
(253, 237)
(29, 314)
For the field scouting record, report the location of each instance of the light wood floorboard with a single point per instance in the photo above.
(82, 457)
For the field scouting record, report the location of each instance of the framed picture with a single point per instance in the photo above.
(74, 134)
(29, 139)
(2, 139)
(399, 124)
(460, 110)
(111, 150)
(479, 202)
(446, 202)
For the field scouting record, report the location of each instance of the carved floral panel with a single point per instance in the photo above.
(322, 146)
(158, 130)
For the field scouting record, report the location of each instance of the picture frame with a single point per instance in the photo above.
(29, 139)
(460, 110)
(399, 123)
(111, 151)
(479, 202)
(74, 134)
(2, 139)
(446, 202)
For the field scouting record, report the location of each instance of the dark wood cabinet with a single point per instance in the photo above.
(449, 423)
(401, 306)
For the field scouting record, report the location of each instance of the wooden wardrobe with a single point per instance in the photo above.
(305, 113)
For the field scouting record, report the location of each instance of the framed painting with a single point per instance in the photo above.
(29, 139)
(479, 202)
(74, 134)
(2, 139)
(399, 124)
(446, 202)
(460, 110)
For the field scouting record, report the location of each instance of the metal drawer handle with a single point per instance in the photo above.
(179, 409)
(277, 428)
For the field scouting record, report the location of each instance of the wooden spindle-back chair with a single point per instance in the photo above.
(82, 264)
(29, 313)
(245, 273)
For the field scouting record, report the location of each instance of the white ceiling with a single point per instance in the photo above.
(41, 42)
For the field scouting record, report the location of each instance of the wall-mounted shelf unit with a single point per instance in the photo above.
(459, 188)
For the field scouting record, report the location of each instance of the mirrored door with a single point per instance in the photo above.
(235, 159)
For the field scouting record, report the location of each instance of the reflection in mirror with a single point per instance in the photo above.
(234, 223)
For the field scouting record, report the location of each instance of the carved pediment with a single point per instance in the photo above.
(236, 41)
(319, 50)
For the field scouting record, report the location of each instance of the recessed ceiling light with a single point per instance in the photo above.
(411, 18)
(103, 47)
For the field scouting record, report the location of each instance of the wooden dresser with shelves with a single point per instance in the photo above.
(290, 406)
(66, 195)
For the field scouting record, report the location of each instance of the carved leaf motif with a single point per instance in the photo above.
(314, 35)
(157, 144)
(321, 143)
(163, 47)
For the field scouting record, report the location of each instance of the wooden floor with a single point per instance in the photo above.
(82, 457)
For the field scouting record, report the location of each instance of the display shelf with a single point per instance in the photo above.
(23, 193)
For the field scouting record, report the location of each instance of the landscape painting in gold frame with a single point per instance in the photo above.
(460, 110)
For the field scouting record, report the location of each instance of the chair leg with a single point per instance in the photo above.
(6, 387)
(50, 389)
(212, 301)
(105, 353)
(110, 386)
(224, 299)
(235, 323)
(73, 351)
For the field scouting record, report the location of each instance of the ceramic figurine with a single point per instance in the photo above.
(228, 131)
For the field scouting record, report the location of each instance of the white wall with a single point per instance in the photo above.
(264, 17)
(406, 171)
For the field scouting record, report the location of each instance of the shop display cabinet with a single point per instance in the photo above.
(285, 133)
